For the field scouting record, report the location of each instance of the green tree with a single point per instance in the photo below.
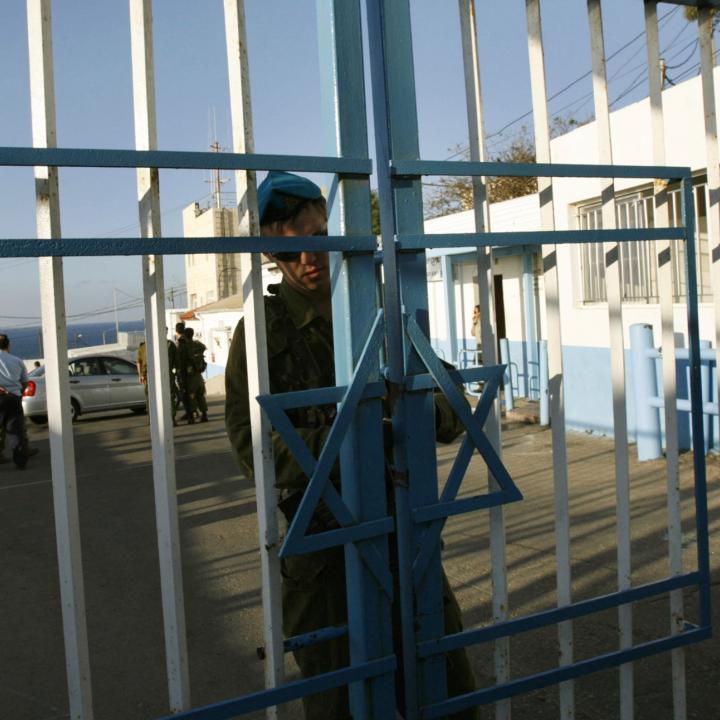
(691, 15)
(449, 195)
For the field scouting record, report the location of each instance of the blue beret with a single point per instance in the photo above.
(279, 183)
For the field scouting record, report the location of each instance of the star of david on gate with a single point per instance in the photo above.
(297, 541)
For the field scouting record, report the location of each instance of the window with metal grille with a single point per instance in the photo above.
(638, 271)
(702, 252)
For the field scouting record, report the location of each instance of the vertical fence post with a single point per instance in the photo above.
(543, 382)
(528, 290)
(701, 502)
(163, 449)
(52, 295)
(256, 347)
(450, 311)
(354, 312)
(617, 351)
(488, 334)
(380, 74)
(507, 377)
(706, 26)
(552, 399)
(663, 253)
(647, 417)
(705, 385)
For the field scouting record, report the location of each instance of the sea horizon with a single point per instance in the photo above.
(26, 342)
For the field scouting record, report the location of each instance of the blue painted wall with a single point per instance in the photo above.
(588, 388)
(213, 370)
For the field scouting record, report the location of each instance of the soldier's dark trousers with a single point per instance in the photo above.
(314, 597)
(201, 398)
(194, 389)
(12, 419)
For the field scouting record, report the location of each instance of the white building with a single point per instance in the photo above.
(214, 323)
(210, 276)
(584, 313)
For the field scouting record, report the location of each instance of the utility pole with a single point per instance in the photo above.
(117, 324)
(217, 181)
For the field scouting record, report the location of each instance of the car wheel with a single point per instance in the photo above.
(39, 419)
(74, 409)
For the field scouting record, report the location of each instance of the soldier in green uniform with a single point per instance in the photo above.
(194, 381)
(184, 369)
(300, 357)
(141, 365)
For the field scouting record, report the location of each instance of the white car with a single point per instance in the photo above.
(97, 382)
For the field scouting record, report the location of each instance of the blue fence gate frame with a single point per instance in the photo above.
(399, 330)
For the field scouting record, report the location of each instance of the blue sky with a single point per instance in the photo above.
(94, 107)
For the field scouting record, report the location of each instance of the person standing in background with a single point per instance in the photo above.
(476, 333)
(194, 381)
(183, 364)
(13, 381)
(141, 365)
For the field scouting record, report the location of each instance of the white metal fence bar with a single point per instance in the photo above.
(665, 291)
(256, 347)
(161, 432)
(707, 64)
(617, 350)
(52, 294)
(554, 350)
(488, 335)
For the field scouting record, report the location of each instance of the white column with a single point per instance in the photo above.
(617, 350)
(488, 334)
(665, 292)
(163, 450)
(554, 351)
(52, 295)
(256, 347)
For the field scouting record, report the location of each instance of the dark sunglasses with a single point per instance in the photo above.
(294, 256)
(286, 256)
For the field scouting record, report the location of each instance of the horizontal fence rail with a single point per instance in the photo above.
(539, 237)
(465, 168)
(180, 160)
(101, 247)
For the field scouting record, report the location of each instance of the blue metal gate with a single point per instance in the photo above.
(398, 330)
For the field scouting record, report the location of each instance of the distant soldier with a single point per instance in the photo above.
(184, 371)
(195, 383)
(183, 363)
(141, 365)
(13, 381)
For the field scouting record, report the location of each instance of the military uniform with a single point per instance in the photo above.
(184, 363)
(141, 362)
(194, 381)
(300, 357)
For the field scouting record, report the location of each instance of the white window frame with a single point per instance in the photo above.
(638, 269)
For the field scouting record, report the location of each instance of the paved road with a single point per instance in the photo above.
(221, 576)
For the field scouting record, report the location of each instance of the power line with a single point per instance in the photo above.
(662, 21)
(686, 60)
(630, 42)
(131, 304)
